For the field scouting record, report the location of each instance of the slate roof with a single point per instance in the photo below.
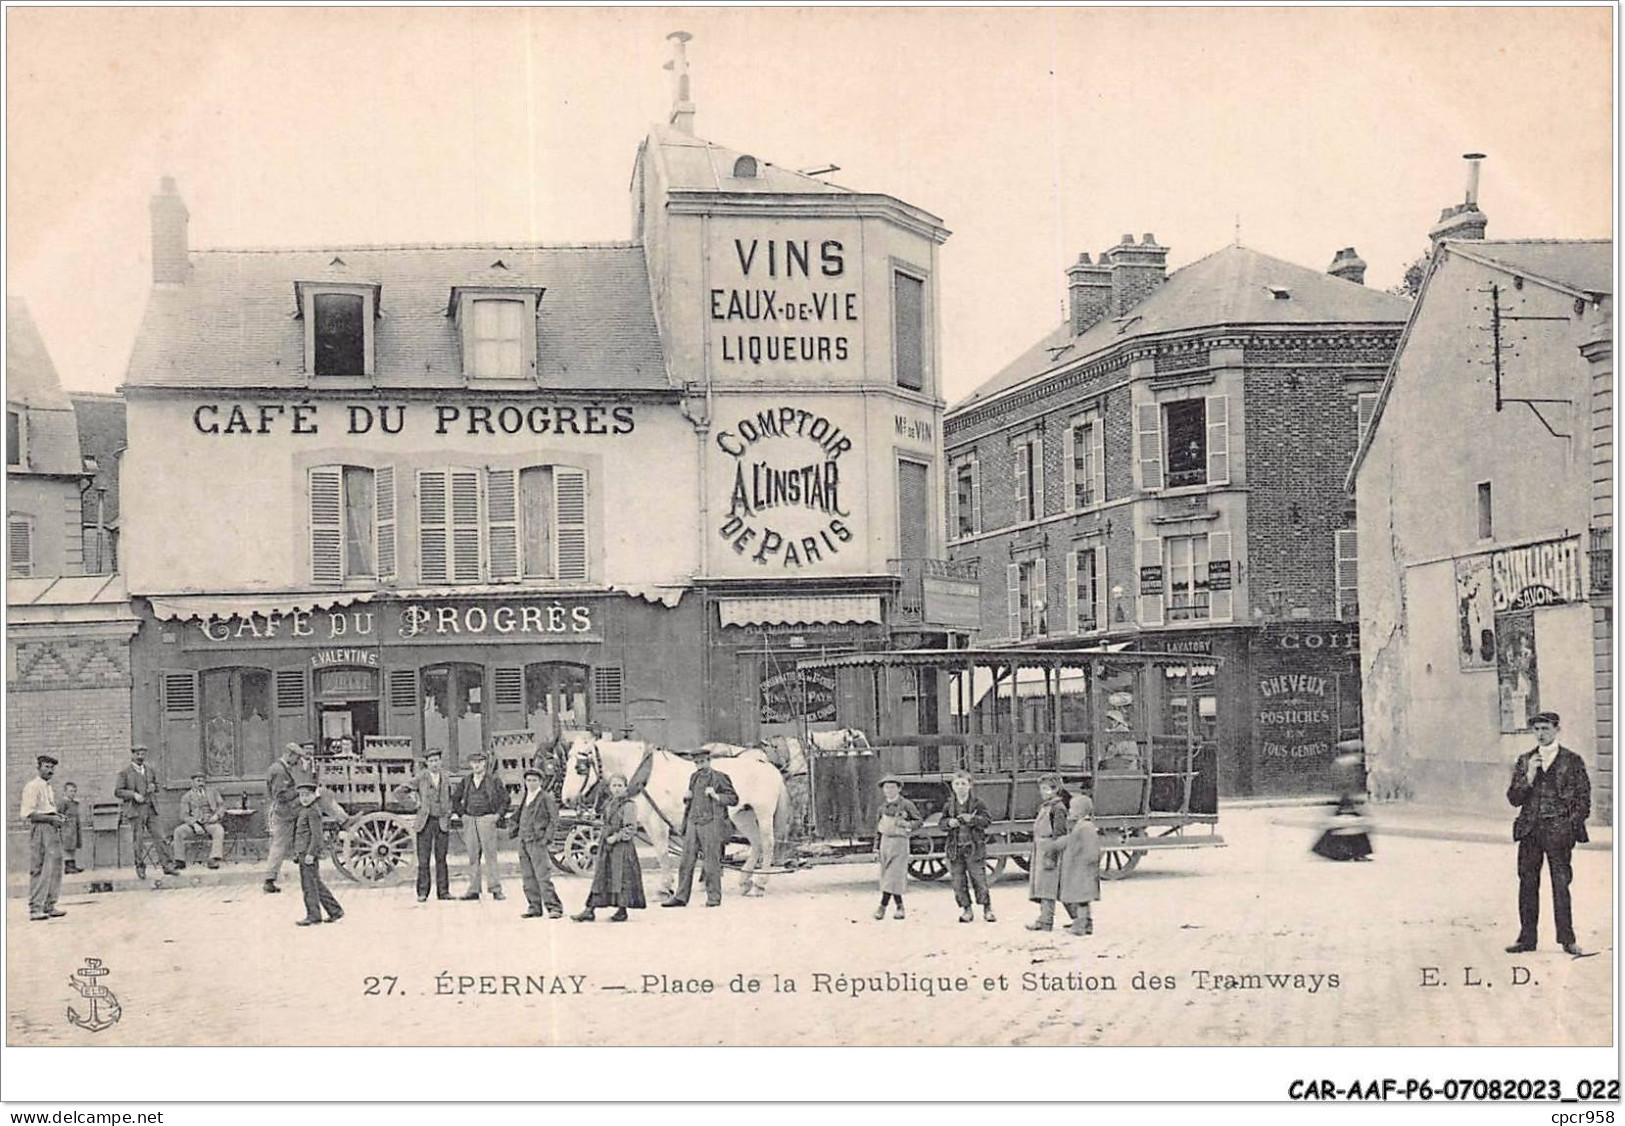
(1233, 286)
(233, 323)
(1586, 265)
(694, 164)
(102, 435)
(51, 438)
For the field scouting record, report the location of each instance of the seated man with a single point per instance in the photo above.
(202, 815)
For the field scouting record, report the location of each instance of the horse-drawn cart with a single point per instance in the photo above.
(1120, 726)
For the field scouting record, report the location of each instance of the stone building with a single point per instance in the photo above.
(1485, 494)
(1166, 469)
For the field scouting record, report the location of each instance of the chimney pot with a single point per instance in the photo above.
(1089, 293)
(1148, 240)
(1465, 220)
(1348, 265)
(170, 261)
(1127, 240)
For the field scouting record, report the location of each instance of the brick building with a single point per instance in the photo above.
(68, 626)
(1166, 470)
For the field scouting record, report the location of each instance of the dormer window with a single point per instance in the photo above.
(338, 328)
(498, 327)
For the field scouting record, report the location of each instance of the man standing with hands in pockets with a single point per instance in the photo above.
(44, 843)
(1553, 792)
(706, 829)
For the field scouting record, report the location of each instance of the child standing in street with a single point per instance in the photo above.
(899, 817)
(68, 807)
(307, 850)
(1080, 865)
(966, 817)
(1044, 871)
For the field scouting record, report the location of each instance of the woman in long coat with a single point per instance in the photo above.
(1080, 865)
(1044, 870)
(898, 819)
(617, 877)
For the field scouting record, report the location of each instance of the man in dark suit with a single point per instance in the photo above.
(482, 801)
(533, 828)
(706, 830)
(1553, 793)
(307, 850)
(431, 824)
(136, 787)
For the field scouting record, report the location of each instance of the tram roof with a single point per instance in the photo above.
(1021, 658)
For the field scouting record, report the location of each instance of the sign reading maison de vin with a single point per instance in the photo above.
(784, 501)
(411, 621)
(476, 419)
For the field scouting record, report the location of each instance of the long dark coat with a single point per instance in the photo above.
(1559, 806)
(617, 876)
(1049, 833)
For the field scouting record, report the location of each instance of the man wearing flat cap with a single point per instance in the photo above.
(44, 843)
(707, 828)
(136, 787)
(307, 851)
(482, 801)
(533, 829)
(1553, 795)
(282, 805)
(203, 814)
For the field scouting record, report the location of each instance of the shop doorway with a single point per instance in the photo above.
(346, 709)
(454, 712)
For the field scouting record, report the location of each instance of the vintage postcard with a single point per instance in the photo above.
(697, 527)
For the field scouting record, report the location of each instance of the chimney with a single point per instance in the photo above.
(1136, 271)
(169, 248)
(1348, 265)
(1465, 220)
(1089, 288)
(682, 105)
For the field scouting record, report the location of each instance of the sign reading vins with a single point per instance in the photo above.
(782, 298)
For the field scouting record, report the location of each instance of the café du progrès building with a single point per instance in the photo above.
(436, 494)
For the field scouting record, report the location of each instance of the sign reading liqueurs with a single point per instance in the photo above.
(780, 299)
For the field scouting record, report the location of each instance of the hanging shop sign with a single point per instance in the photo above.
(796, 694)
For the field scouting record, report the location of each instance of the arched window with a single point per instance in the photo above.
(745, 168)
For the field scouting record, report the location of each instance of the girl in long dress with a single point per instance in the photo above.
(899, 817)
(1049, 839)
(617, 877)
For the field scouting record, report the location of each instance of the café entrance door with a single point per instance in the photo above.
(347, 709)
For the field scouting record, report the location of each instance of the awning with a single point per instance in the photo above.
(180, 607)
(835, 609)
(69, 600)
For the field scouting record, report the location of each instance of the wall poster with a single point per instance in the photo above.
(1517, 669)
(1475, 613)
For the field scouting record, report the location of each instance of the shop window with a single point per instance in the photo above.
(453, 708)
(352, 523)
(908, 330)
(1027, 594)
(1028, 457)
(14, 437)
(236, 719)
(1203, 694)
(19, 547)
(1085, 464)
(967, 498)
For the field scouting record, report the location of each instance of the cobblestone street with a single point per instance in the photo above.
(224, 964)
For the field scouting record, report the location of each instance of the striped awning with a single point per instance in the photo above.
(795, 610)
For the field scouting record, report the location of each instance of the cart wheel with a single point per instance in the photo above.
(1117, 861)
(578, 849)
(928, 868)
(374, 846)
(995, 868)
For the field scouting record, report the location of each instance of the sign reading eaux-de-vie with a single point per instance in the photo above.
(230, 418)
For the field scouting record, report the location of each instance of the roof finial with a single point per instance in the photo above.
(682, 105)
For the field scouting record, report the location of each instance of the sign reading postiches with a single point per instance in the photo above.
(784, 508)
(1541, 574)
(784, 299)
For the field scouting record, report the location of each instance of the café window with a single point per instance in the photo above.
(908, 330)
(967, 498)
(1183, 443)
(236, 718)
(338, 327)
(351, 523)
(19, 547)
(14, 437)
(556, 698)
(1027, 594)
(498, 330)
(502, 525)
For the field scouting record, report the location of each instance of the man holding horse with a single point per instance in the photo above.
(707, 828)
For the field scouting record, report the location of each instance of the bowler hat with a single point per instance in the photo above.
(1545, 717)
(42, 759)
(477, 756)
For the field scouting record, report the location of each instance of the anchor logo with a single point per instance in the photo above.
(104, 1007)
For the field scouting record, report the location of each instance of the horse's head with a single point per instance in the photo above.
(582, 769)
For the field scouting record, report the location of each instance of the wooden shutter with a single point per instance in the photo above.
(608, 695)
(1218, 439)
(1069, 470)
(466, 548)
(1148, 438)
(1040, 597)
(502, 524)
(1022, 512)
(178, 729)
(401, 691)
(292, 718)
(1151, 589)
(433, 555)
(975, 494)
(1102, 597)
(384, 484)
(1347, 542)
(1221, 577)
(20, 547)
(508, 698)
(908, 309)
(327, 525)
(1365, 410)
(1097, 437)
(570, 510)
(1012, 578)
(913, 509)
(1038, 478)
(1071, 590)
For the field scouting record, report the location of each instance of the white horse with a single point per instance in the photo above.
(762, 815)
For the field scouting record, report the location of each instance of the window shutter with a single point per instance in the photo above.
(975, 494)
(1151, 585)
(1040, 597)
(1012, 577)
(1347, 541)
(1097, 436)
(502, 523)
(1220, 577)
(432, 530)
(178, 722)
(1148, 437)
(570, 492)
(1021, 482)
(1071, 590)
(401, 686)
(20, 547)
(327, 525)
(466, 555)
(608, 695)
(1218, 439)
(292, 722)
(1102, 597)
(1069, 471)
(1038, 478)
(508, 698)
(384, 484)
(1366, 410)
